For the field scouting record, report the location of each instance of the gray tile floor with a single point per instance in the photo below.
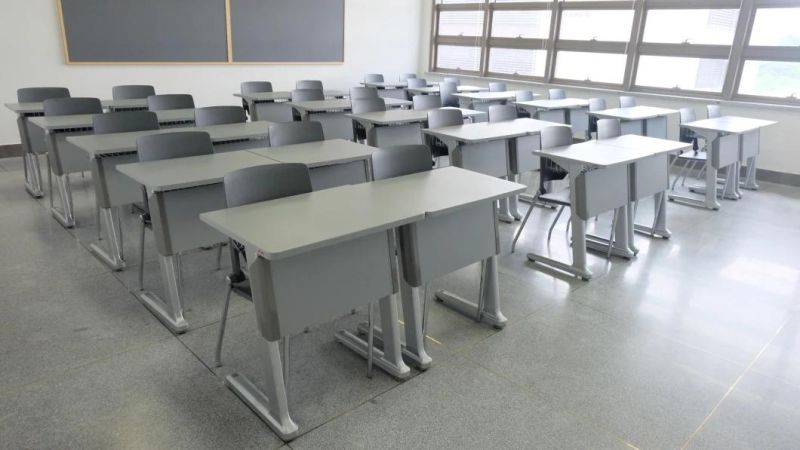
(694, 344)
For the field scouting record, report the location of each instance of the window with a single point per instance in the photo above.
(695, 74)
(516, 61)
(531, 24)
(691, 26)
(458, 57)
(590, 67)
(778, 79)
(596, 25)
(776, 27)
(461, 23)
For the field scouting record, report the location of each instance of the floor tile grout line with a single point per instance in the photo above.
(734, 385)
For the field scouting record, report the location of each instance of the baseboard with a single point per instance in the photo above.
(771, 176)
(10, 150)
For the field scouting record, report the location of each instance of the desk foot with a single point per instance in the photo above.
(528, 198)
(62, 218)
(359, 346)
(420, 361)
(582, 273)
(175, 322)
(469, 309)
(505, 218)
(114, 263)
(643, 229)
(712, 205)
(33, 175)
(113, 256)
(169, 312)
(749, 187)
(599, 244)
(257, 401)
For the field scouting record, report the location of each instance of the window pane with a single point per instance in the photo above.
(524, 24)
(695, 26)
(597, 67)
(460, 23)
(601, 25)
(696, 74)
(771, 79)
(458, 1)
(518, 61)
(458, 57)
(776, 26)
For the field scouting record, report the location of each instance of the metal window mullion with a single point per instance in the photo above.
(487, 31)
(597, 5)
(433, 50)
(772, 53)
(592, 46)
(693, 4)
(632, 62)
(744, 27)
(555, 27)
(530, 44)
(686, 50)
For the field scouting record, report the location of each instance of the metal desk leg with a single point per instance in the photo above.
(623, 236)
(488, 308)
(750, 179)
(65, 214)
(731, 181)
(30, 163)
(170, 312)
(253, 107)
(112, 256)
(659, 227)
(513, 201)
(271, 406)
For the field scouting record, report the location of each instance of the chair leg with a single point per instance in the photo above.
(223, 321)
(680, 173)
(219, 256)
(141, 256)
(686, 174)
(611, 236)
(524, 221)
(555, 221)
(97, 222)
(370, 338)
(569, 223)
(425, 310)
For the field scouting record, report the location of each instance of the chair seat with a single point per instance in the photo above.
(556, 198)
(692, 156)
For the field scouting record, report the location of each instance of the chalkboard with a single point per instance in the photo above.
(287, 30)
(144, 30)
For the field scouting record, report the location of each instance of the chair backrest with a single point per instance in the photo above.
(129, 91)
(263, 183)
(308, 84)
(417, 82)
(556, 136)
(40, 94)
(685, 134)
(524, 96)
(169, 101)
(361, 92)
(407, 76)
(373, 78)
(252, 87)
(124, 121)
(71, 105)
(307, 95)
(218, 115)
(502, 113)
(713, 111)
(396, 161)
(427, 101)
(557, 94)
(452, 80)
(608, 128)
(597, 104)
(366, 105)
(447, 93)
(288, 133)
(688, 115)
(627, 101)
(496, 86)
(438, 118)
(179, 144)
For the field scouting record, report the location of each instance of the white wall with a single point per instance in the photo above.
(381, 36)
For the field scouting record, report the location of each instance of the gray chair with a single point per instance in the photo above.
(252, 87)
(407, 76)
(69, 106)
(713, 111)
(524, 96)
(692, 159)
(289, 133)
(124, 122)
(373, 78)
(307, 95)
(247, 186)
(40, 94)
(417, 82)
(132, 91)
(502, 113)
(400, 160)
(447, 93)
(557, 94)
(452, 80)
(595, 104)
(219, 115)
(165, 102)
(362, 92)
(627, 101)
(364, 105)
(155, 147)
(308, 84)
(422, 102)
(439, 118)
(608, 128)
(496, 86)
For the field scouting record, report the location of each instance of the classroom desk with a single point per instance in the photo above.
(642, 120)
(331, 114)
(600, 181)
(733, 140)
(482, 100)
(570, 111)
(389, 89)
(65, 159)
(271, 106)
(306, 254)
(499, 149)
(113, 190)
(399, 126)
(434, 90)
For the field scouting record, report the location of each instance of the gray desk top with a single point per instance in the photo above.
(51, 123)
(564, 103)
(401, 116)
(435, 89)
(634, 113)
(341, 104)
(316, 154)
(38, 107)
(728, 124)
(488, 96)
(472, 133)
(609, 152)
(294, 225)
(386, 84)
(97, 145)
(282, 95)
(181, 173)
